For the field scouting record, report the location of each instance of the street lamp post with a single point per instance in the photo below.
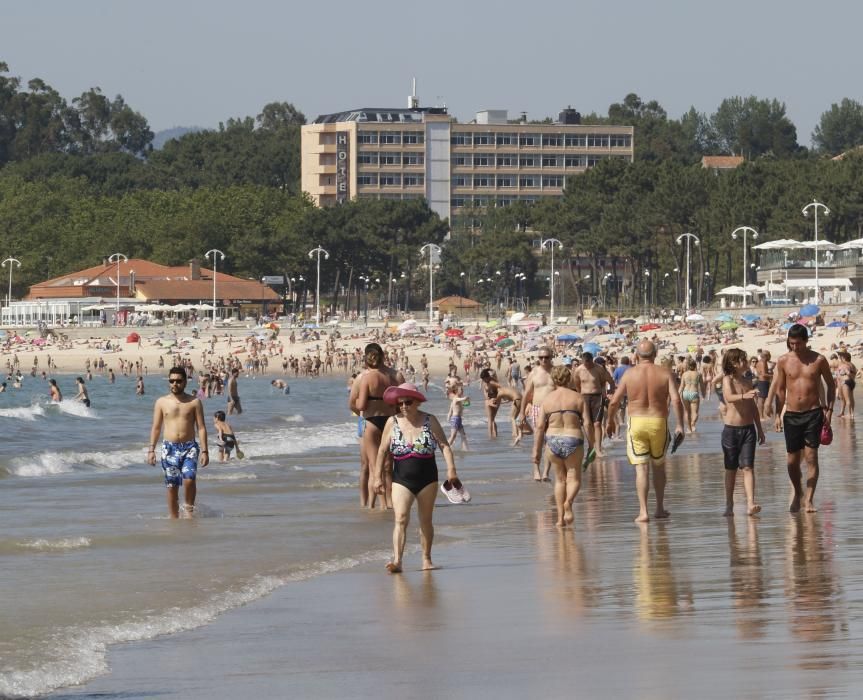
(689, 237)
(432, 249)
(815, 205)
(318, 251)
(13, 262)
(646, 284)
(117, 257)
(217, 255)
(745, 230)
(551, 243)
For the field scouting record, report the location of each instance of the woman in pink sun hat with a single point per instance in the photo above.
(412, 436)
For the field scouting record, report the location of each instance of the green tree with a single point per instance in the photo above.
(751, 127)
(840, 128)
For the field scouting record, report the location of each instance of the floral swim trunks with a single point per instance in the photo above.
(179, 462)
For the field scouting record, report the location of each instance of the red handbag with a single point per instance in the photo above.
(826, 434)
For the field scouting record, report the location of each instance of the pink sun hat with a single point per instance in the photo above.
(402, 391)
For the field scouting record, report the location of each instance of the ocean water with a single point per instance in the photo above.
(90, 558)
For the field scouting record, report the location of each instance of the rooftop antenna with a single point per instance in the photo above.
(413, 100)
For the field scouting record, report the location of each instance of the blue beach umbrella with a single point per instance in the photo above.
(725, 317)
(751, 318)
(837, 324)
(568, 337)
(810, 310)
(626, 322)
(785, 326)
(601, 322)
(592, 348)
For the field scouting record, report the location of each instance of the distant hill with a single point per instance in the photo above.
(161, 137)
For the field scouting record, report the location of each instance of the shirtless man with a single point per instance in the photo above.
(590, 379)
(537, 386)
(797, 385)
(180, 414)
(764, 374)
(649, 389)
(234, 405)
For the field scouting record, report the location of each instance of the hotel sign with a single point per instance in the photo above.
(342, 165)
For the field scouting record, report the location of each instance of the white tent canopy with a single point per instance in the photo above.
(780, 244)
(732, 291)
(850, 245)
(821, 245)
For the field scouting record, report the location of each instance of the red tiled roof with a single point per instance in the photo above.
(227, 287)
(721, 162)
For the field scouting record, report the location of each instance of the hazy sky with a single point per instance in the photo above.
(190, 62)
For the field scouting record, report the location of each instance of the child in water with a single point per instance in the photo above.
(225, 439)
(456, 408)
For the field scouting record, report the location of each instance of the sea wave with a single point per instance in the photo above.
(51, 463)
(28, 413)
(58, 545)
(79, 654)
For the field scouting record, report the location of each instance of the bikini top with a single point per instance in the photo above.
(564, 410)
(423, 446)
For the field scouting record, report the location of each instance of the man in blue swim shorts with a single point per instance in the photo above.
(177, 417)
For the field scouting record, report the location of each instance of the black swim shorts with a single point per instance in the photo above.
(738, 446)
(802, 428)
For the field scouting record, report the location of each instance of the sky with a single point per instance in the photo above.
(197, 63)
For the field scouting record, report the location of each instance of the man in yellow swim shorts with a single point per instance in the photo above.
(649, 388)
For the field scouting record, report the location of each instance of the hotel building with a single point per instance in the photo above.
(424, 152)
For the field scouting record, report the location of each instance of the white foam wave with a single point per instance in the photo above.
(44, 545)
(332, 485)
(51, 463)
(234, 476)
(296, 418)
(23, 412)
(75, 408)
(79, 655)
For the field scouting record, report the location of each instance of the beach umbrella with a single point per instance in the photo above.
(785, 326)
(602, 322)
(454, 333)
(649, 327)
(751, 318)
(569, 337)
(626, 322)
(695, 317)
(505, 343)
(837, 324)
(728, 326)
(724, 317)
(810, 310)
(133, 338)
(491, 324)
(516, 317)
(475, 337)
(592, 348)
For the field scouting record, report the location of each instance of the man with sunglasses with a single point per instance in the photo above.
(177, 416)
(537, 386)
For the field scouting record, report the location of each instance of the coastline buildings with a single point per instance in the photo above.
(423, 152)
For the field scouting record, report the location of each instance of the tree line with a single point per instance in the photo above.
(79, 180)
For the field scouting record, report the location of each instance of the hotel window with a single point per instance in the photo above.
(576, 140)
(528, 140)
(367, 158)
(552, 181)
(390, 158)
(597, 140)
(506, 139)
(575, 161)
(391, 180)
(552, 140)
(456, 202)
(507, 161)
(528, 161)
(483, 140)
(550, 162)
(414, 180)
(528, 181)
(504, 202)
(483, 181)
(368, 137)
(413, 137)
(482, 160)
(370, 179)
(506, 181)
(593, 160)
(391, 137)
(461, 160)
(461, 140)
(460, 181)
(413, 158)
(621, 141)
(480, 201)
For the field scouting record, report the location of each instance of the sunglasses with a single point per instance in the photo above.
(176, 381)
(404, 403)
(545, 357)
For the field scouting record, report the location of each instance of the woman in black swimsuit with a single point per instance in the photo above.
(489, 385)
(373, 383)
(412, 437)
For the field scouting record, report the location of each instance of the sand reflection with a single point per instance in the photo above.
(746, 571)
(658, 595)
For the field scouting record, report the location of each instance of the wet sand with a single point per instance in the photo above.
(695, 606)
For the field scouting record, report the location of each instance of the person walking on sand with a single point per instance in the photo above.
(797, 384)
(691, 392)
(454, 416)
(412, 437)
(590, 380)
(649, 389)
(563, 416)
(177, 416)
(537, 386)
(234, 405)
(742, 429)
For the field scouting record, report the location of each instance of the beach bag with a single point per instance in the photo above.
(826, 434)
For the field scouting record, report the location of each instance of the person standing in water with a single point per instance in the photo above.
(177, 416)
